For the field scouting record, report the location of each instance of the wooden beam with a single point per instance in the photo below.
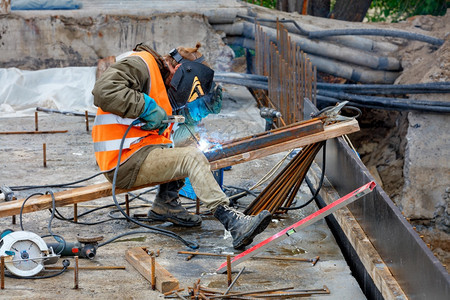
(266, 139)
(100, 190)
(141, 261)
(330, 131)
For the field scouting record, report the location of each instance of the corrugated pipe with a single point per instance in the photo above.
(377, 32)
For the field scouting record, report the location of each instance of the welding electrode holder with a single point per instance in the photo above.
(175, 119)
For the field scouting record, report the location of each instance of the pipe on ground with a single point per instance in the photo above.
(321, 48)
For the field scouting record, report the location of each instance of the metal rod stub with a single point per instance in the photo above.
(36, 121)
(86, 115)
(76, 273)
(44, 152)
(153, 273)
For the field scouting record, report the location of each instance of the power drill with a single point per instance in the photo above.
(269, 114)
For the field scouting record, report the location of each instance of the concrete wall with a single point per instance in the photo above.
(38, 41)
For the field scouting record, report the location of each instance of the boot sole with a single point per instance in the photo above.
(157, 217)
(259, 227)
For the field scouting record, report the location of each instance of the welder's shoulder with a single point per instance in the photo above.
(130, 72)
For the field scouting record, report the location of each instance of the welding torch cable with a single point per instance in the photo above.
(190, 244)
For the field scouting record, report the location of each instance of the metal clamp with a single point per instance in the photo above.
(332, 114)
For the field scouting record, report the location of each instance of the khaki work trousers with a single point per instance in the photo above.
(165, 164)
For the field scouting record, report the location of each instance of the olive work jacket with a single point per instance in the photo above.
(119, 90)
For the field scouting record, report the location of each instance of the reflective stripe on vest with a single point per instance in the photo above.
(109, 129)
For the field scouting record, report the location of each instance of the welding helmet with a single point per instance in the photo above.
(191, 81)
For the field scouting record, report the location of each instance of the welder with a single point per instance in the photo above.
(143, 88)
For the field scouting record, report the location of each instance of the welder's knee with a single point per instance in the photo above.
(195, 158)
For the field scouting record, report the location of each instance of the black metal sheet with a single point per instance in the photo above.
(419, 273)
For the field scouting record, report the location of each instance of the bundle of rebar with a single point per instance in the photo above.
(282, 190)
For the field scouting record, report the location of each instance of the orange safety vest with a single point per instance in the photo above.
(109, 129)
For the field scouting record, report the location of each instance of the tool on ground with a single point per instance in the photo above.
(269, 114)
(6, 193)
(25, 252)
(312, 218)
(84, 247)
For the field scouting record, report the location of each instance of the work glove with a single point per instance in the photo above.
(153, 115)
(210, 103)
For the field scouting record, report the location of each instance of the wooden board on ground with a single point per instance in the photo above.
(100, 190)
(141, 261)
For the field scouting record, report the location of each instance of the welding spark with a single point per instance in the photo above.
(206, 146)
(203, 145)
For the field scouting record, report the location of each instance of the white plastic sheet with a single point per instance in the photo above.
(44, 4)
(66, 89)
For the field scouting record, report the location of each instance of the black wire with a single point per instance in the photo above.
(320, 183)
(23, 205)
(65, 262)
(130, 233)
(28, 187)
(59, 216)
(191, 245)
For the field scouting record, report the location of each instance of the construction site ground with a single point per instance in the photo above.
(70, 157)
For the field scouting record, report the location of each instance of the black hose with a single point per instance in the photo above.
(382, 100)
(377, 32)
(253, 20)
(349, 31)
(399, 89)
(386, 105)
(261, 82)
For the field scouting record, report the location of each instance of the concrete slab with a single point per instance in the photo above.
(70, 157)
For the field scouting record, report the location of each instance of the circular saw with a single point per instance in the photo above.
(25, 252)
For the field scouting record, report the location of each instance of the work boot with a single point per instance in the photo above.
(167, 206)
(243, 228)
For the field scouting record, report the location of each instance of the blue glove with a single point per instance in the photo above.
(203, 106)
(153, 115)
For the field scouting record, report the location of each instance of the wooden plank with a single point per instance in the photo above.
(63, 198)
(330, 131)
(100, 190)
(141, 261)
